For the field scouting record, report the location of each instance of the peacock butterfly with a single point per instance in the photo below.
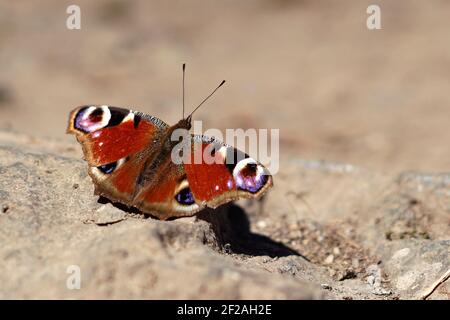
(129, 158)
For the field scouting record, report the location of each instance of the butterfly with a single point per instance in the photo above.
(129, 156)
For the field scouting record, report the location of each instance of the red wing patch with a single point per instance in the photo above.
(108, 134)
(114, 143)
(209, 180)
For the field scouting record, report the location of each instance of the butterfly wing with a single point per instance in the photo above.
(113, 141)
(125, 168)
(211, 175)
(224, 173)
(108, 134)
(167, 195)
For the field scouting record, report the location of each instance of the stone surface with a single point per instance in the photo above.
(325, 231)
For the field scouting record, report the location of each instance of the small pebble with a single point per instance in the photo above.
(347, 274)
(382, 292)
(5, 208)
(329, 259)
(326, 286)
(400, 254)
(261, 224)
(371, 280)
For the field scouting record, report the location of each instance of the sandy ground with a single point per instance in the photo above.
(371, 104)
(325, 231)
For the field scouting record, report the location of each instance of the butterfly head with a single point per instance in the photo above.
(185, 123)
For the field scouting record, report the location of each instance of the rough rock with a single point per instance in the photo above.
(325, 231)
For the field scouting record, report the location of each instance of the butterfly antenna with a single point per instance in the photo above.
(209, 96)
(184, 71)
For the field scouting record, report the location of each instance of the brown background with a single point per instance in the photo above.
(337, 91)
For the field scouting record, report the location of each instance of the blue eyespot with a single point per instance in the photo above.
(108, 168)
(249, 179)
(89, 119)
(185, 197)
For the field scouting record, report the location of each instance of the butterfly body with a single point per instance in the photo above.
(130, 161)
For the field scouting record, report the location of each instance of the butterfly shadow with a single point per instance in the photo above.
(232, 228)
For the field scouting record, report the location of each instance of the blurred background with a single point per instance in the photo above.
(336, 90)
